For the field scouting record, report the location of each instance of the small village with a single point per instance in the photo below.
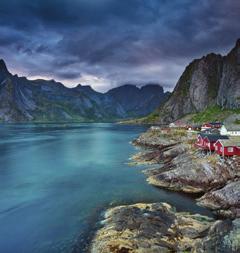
(218, 138)
(214, 137)
(211, 137)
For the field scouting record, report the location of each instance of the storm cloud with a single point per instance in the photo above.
(110, 42)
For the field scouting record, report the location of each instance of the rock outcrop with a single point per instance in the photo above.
(152, 228)
(225, 201)
(149, 228)
(183, 168)
(189, 173)
(223, 237)
(211, 80)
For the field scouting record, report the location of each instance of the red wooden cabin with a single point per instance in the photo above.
(211, 125)
(200, 140)
(207, 141)
(229, 147)
(210, 140)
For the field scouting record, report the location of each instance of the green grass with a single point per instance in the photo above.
(149, 119)
(214, 113)
(153, 117)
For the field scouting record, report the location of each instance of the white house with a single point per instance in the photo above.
(230, 130)
(172, 125)
(178, 124)
(155, 128)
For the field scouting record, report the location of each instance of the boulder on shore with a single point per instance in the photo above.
(224, 201)
(149, 228)
(154, 228)
(193, 175)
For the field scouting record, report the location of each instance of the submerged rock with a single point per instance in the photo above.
(149, 228)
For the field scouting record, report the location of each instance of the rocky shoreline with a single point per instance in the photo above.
(149, 228)
(186, 169)
(158, 227)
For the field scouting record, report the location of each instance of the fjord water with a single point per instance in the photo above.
(55, 178)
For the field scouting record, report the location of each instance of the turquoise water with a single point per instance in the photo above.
(54, 179)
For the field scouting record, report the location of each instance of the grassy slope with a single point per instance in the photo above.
(150, 119)
(210, 114)
(214, 113)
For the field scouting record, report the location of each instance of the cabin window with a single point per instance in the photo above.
(221, 149)
(230, 149)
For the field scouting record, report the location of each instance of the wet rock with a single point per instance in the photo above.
(194, 175)
(149, 228)
(154, 228)
(223, 237)
(224, 201)
(159, 155)
(155, 139)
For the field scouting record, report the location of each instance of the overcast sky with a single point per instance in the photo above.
(106, 43)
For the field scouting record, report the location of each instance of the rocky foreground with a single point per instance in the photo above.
(153, 228)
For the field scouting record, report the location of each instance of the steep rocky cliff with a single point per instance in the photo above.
(138, 101)
(211, 80)
(229, 87)
(24, 100)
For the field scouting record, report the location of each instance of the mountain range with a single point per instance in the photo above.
(212, 81)
(23, 100)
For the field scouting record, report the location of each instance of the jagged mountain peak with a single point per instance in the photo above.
(3, 67)
(134, 87)
(152, 87)
(238, 43)
(84, 87)
(126, 86)
(208, 81)
(40, 100)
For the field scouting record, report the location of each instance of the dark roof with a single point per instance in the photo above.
(216, 123)
(203, 134)
(211, 131)
(215, 137)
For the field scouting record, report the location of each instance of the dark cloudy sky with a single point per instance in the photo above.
(106, 43)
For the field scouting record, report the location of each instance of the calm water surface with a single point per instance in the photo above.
(55, 178)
